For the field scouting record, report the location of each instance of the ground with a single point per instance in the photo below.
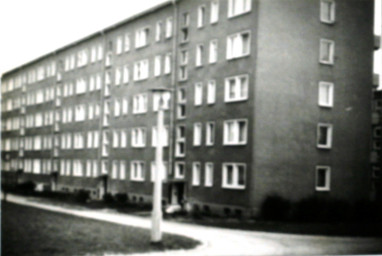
(32, 231)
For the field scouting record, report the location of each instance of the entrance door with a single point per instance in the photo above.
(176, 193)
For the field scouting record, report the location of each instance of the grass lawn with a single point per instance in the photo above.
(30, 231)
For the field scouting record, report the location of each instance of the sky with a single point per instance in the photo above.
(30, 29)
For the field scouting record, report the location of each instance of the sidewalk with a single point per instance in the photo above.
(218, 241)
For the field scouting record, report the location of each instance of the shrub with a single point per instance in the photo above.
(322, 210)
(81, 196)
(275, 208)
(121, 198)
(108, 198)
(27, 187)
(367, 211)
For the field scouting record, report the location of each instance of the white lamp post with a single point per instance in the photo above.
(156, 232)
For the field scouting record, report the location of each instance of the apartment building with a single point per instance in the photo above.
(267, 97)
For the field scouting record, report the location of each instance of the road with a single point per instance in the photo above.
(219, 241)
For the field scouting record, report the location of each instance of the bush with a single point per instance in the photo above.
(275, 208)
(367, 211)
(121, 198)
(322, 210)
(82, 196)
(108, 198)
(27, 187)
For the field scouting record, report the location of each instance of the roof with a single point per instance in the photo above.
(101, 32)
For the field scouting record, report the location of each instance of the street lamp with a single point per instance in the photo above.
(156, 232)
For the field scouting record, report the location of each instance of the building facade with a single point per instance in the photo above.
(266, 97)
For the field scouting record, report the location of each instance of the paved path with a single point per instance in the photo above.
(219, 241)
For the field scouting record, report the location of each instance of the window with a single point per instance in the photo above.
(237, 7)
(208, 174)
(138, 137)
(167, 63)
(117, 76)
(184, 36)
(115, 139)
(93, 54)
(322, 178)
(77, 168)
(90, 139)
(196, 173)
(234, 175)
(141, 37)
(236, 88)
(238, 45)
(154, 171)
(235, 132)
(327, 11)
(213, 55)
(164, 136)
(118, 49)
(180, 147)
(137, 171)
(80, 86)
(183, 57)
(211, 92)
(100, 52)
(197, 134)
(140, 103)
(325, 94)
(114, 169)
(125, 106)
(78, 140)
(127, 42)
(180, 170)
(109, 56)
(324, 135)
(123, 139)
(201, 15)
(79, 113)
(181, 111)
(199, 55)
(198, 96)
(164, 97)
(184, 27)
(105, 143)
(105, 167)
(98, 82)
(183, 73)
(91, 83)
(95, 139)
(169, 27)
(37, 119)
(326, 51)
(117, 107)
(157, 65)
(158, 31)
(141, 70)
(210, 133)
(122, 170)
(125, 74)
(82, 58)
(214, 17)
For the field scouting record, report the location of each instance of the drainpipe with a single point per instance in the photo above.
(173, 87)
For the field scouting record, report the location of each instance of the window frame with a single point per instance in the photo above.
(235, 184)
(225, 135)
(332, 11)
(327, 178)
(329, 136)
(321, 102)
(331, 53)
(196, 173)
